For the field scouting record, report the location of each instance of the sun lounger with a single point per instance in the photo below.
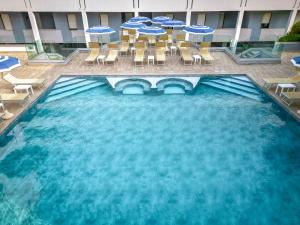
(18, 97)
(124, 48)
(139, 56)
(204, 53)
(186, 57)
(184, 45)
(112, 56)
(17, 81)
(160, 56)
(162, 45)
(94, 52)
(288, 80)
(290, 97)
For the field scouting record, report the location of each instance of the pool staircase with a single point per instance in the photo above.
(68, 86)
(239, 85)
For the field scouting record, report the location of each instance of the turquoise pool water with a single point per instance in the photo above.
(209, 157)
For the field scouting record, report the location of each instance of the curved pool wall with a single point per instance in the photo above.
(166, 85)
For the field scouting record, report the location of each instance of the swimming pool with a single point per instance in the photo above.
(98, 157)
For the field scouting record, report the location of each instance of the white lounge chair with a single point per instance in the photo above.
(17, 81)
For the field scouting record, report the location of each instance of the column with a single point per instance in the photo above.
(291, 20)
(85, 27)
(36, 33)
(188, 22)
(136, 8)
(237, 30)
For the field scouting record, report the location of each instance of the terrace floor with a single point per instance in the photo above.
(222, 65)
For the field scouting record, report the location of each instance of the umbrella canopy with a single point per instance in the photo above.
(197, 29)
(173, 23)
(155, 31)
(140, 19)
(296, 61)
(132, 25)
(100, 30)
(160, 19)
(7, 63)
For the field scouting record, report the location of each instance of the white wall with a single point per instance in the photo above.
(217, 5)
(163, 5)
(55, 5)
(270, 4)
(12, 5)
(109, 5)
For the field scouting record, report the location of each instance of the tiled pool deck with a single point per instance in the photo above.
(222, 65)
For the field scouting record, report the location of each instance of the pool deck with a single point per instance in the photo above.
(125, 67)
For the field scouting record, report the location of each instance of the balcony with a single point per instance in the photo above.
(7, 36)
(51, 36)
(245, 34)
(223, 35)
(271, 34)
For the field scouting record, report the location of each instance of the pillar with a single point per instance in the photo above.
(85, 27)
(188, 22)
(36, 33)
(291, 20)
(237, 31)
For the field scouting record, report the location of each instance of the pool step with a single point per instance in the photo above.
(64, 79)
(66, 83)
(74, 91)
(236, 86)
(239, 81)
(232, 90)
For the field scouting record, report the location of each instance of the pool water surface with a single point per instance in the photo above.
(209, 157)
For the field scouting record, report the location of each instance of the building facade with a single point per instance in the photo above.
(64, 21)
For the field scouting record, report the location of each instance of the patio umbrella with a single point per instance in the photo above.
(198, 29)
(173, 23)
(140, 19)
(296, 61)
(8, 63)
(154, 31)
(100, 31)
(132, 25)
(160, 19)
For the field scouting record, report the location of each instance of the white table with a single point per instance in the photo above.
(101, 58)
(197, 59)
(2, 106)
(283, 87)
(173, 49)
(132, 50)
(150, 59)
(24, 87)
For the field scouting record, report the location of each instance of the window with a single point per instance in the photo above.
(221, 20)
(103, 19)
(6, 21)
(126, 16)
(170, 15)
(72, 22)
(201, 19)
(45, 20)
(265, 22)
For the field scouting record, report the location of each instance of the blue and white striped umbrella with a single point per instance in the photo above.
(8, 63)
(132, 25)
(160, 19)
(198, 29)
(173, 23)
(155, 31)
(140, 19)
(100, 30)
(296, 61)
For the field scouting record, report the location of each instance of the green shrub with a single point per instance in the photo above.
(290, 38)
(295, 29)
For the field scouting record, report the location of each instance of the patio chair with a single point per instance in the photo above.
(268, 82)
(139, 56)
(124, 48)
(186, 57)
(184, 45)
(94, 52)
(160, 56)
(11, 98)
(18, 81)
(290, 97)
(162, 45)
(205, 54)
(112, 56)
